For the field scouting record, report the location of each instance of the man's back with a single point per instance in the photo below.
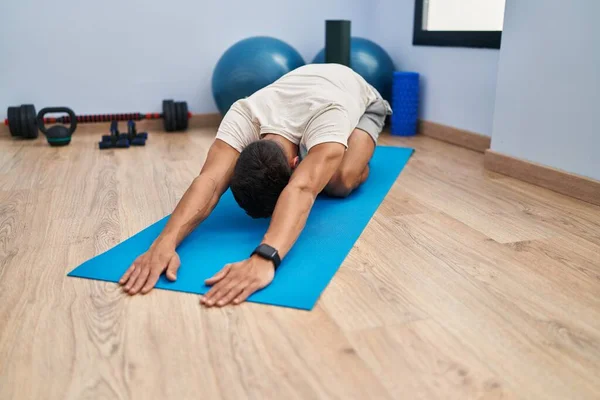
(293, 105)
(317, 86)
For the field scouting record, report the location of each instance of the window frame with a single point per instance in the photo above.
(475, 39)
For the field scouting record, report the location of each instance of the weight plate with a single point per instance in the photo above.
(168, 114)
(12, 114)
(22, 123)
(164, 113)
(184, 107)
(31, 130)
(173, 114)
(176, 114)
(179, 116)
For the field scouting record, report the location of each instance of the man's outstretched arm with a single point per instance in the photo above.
(194, 207)
(235, 282)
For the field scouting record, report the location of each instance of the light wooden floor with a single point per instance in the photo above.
(465, 284)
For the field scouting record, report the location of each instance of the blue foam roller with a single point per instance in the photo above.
(405, 103)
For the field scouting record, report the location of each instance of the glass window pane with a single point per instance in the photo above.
(463, 15)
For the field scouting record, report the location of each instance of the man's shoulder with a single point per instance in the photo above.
(237, 127)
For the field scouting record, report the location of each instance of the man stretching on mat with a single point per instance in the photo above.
(313, 130)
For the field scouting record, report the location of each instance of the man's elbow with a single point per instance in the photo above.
(303, 187)
(340, 185)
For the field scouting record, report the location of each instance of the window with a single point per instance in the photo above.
(459, 23)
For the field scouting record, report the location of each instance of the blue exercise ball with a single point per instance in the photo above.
(250, 65)
(371, 62)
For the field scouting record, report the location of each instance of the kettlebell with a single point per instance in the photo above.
(57, 135)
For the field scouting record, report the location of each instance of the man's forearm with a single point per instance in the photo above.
(194, 207)
(202, 196)
(289, 218)
(296, 200)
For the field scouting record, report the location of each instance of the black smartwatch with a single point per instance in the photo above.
(268, 253)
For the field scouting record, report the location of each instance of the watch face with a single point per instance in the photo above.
(268, 251)
(272, 252)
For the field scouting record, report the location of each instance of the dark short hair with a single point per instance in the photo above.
(261, 173)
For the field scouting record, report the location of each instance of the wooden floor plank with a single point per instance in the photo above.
(422, 359)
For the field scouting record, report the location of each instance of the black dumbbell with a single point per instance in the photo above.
(136, 138)
(115, 139)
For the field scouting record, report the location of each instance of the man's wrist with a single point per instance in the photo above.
(262, 261)
(165, 241)
(267, 253)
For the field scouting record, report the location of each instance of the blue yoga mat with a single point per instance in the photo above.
(229, 235)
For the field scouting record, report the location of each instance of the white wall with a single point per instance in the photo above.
(548, 97)
(458, 84)
(126, 55)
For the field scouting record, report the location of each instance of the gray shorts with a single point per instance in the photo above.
(374, 117)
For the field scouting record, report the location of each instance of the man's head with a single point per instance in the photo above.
(261, 173)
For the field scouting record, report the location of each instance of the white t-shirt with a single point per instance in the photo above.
(313, 104)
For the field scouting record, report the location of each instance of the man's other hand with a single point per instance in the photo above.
(235, 282)
(147, 268)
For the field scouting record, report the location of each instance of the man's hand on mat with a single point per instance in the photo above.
(235, 282)
(147, 268)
